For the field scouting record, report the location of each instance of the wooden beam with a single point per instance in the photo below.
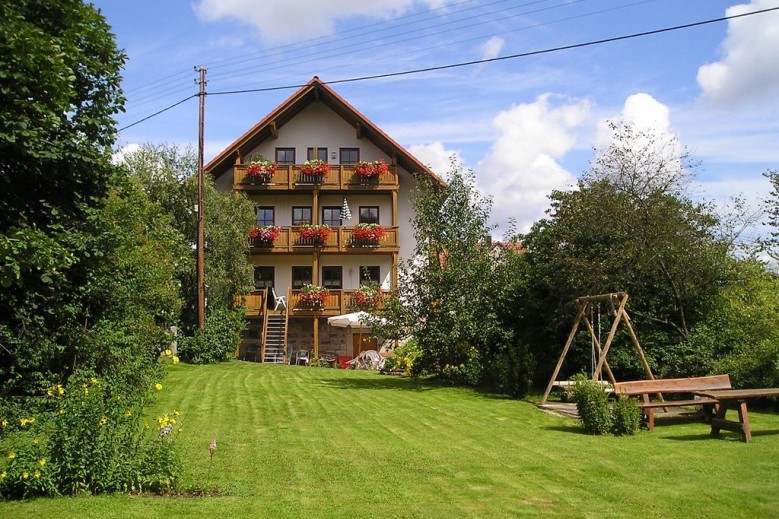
(274, 131)
(394, 278)
(394, 208)
(316, 336)
(579, 315)
(602, 297)
(612, 333)
(358, 128)
(238, 157)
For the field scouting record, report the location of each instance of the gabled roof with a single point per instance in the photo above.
(315, 90)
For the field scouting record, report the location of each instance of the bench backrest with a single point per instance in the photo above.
(673, 385)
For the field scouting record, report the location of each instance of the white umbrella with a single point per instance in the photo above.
(346, 213)
(354, 320)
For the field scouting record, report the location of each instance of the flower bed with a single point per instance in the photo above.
(264, 234)
(260, 170)
(368, 233)
(314, 295)
(366, 169)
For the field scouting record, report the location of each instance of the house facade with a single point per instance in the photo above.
(321, 163)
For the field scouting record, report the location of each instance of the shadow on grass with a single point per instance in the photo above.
(724, 436)
(382, 382)
(573, 428)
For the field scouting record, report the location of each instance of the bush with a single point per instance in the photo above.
(404, 358)
(511, 371)
(592, 405)
(90, 438)
(625, 417)
(466, 373)
(217, 341)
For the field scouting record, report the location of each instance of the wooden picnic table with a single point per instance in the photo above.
(735, 398)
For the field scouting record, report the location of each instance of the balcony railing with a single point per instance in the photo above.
(337, 302)
(254, 302)
(340, 177)
(340, 239)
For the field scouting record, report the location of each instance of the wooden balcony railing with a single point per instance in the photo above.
(340, 177)
(254, 302)
(340, 239)
(337, 302)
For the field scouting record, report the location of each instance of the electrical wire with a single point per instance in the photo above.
(158, 112)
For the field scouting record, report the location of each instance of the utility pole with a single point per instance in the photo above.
(201, 284)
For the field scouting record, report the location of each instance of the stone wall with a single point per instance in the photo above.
(300, 335)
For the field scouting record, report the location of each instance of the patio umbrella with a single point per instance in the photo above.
(346, 213)
(354, 320)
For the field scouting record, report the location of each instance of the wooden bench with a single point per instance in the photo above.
(673, 386)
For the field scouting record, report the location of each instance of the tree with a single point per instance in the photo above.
(629, 227)
(772, 209)
(168, 175)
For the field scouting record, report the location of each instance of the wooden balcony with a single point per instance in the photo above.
(340, 239)
(254, 303)
(338, 302)
(339, 178)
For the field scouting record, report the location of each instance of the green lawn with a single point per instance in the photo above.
(306, 442)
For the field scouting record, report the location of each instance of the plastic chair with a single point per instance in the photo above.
(301, 356)
(279, 300)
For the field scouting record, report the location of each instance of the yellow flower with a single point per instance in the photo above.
(35, 441)
(103, 420)
(49, 393)
(175, 360)
(127, 414)
(2, 475)
(11, 455)
(94, 381)
(5, 423)
(168, 353)
(36, 474)
(145, 426)
(86, 389)
(60, 389)
(176, 413)
(42, 462)
(25, 475)
(158, 386)
(62, 411)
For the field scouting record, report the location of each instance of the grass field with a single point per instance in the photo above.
(306, 442)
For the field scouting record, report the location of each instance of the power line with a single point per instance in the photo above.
(511, 56)
(473, 62)
(155, 114)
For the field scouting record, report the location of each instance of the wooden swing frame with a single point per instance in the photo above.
(618, 300)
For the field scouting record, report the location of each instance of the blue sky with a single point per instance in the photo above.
(525, 126)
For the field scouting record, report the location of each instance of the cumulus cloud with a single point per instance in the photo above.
(126, 150)
(521, 169)
(492, 47)
(748, 69)
(307, 19)
(643, 112)
(435, 157)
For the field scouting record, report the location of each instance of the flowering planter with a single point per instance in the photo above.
(313, 235)
(260, 172)
(313, 171)
(264, 235)
(367, 235)
(370, 171)
(313, 297)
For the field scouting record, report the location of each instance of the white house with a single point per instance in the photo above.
(315, 123)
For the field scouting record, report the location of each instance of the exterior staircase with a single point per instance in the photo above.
(275, 336)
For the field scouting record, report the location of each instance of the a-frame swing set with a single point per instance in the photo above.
(586, 307)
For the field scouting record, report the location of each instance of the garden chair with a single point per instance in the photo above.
(279, 300)
(301, 357)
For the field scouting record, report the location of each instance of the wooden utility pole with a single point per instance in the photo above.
(201, 283)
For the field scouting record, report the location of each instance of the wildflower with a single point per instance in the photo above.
(168, 353)
(42, 462)
(175, 360)
(103, 420)
(86, 389)
(146, 426)
(94, 381)
(35, 441)
(158, 386)
(49, 393)
(11, 455)
(62, 411)
(176, 413)
(25, 475)
(4, 423)
(60, 389)
(36, 474)
(127, 414)
(3, 474)
(27, 421)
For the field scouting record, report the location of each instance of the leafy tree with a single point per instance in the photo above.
(772, 209)
(168, 175)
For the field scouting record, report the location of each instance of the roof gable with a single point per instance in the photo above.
(315, 90)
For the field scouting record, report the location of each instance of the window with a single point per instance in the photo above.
(285, 156)
(369, 275)
(331, 277)
(265, 216)
(301, 276)
(369, 214)
(331, 216)
(264, 277)
(350, 155)
(321, 154)
(301, 215)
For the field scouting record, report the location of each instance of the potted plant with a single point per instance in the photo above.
(314, 169)
(260, 170)
(314, 295)
(370, 170)
(316, 234)
(367, 234)
(368, 297)
(264, 234)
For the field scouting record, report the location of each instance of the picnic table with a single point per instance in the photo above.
(734, 399)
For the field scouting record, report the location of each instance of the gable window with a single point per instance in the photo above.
(316, 153)
(301, 276)
(331, 216)
(350, 155)
(332, 277)
(265, 216)
(285, 156)
(369, 275)
(369, 214)
(301, 215)
(264, 277)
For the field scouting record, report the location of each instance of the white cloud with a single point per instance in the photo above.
(124, 151)
(435, 157)
(521, 168)
(748, 70)
(643, 112)
(492, 47)
(308, 19)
